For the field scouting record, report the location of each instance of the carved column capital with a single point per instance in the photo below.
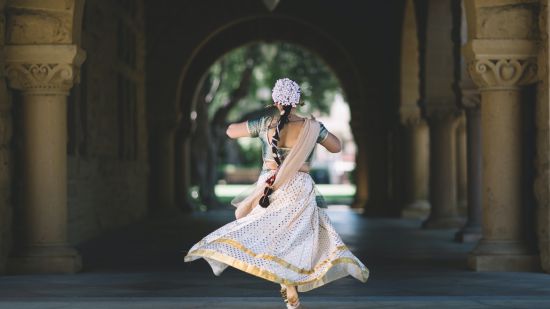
(471, 97)
(442, 109)
(409, 115)
(502, 64)
(43, 69)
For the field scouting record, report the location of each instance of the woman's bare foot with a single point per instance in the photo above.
(292, 295)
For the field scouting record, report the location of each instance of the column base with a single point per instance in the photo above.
(529, 263)
(45, 259)
(503, 256)
(359, 204)
(380, 212)
(443, 223)
(416, 210)
(468, 234)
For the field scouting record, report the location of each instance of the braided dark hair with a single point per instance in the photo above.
(264, 200)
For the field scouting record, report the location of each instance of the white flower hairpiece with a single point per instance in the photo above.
(286, 92)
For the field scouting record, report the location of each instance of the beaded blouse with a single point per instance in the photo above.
(259, 127)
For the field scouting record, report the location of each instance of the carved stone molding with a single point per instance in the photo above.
(502, 64)
(37, 26)
(41, 78)
(409, 115)
(503, 73)
(43, 69)
(471, 98)
(442, 109)
(443, 114)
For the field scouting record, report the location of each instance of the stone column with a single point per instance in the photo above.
(44, 74)
(361, 175)
(164, 164)
(441, 112)
(471, 231)
(378, 157)
(443, 200)
(461, 166)
(417, 205)
(542, 160)
(500, 68)
(183, 168)
(415, 170)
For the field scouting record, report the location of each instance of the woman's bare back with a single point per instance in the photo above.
(289, 135)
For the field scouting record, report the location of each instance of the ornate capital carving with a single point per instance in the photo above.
(471, 98)
(504, 73)
(41, 78)
(502, 64)
(442, 108)
(43, 69)
(409, 115)
(443, 116)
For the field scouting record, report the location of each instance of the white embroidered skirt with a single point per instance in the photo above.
(291, 242)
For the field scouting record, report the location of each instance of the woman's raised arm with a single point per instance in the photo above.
(236, 130)
(332, 143)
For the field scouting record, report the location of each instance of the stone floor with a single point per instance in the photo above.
(141, 266)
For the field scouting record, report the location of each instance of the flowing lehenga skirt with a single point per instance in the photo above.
(291, 242)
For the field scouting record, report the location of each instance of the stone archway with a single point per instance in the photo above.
(294, 31)
(43, 55)
(221, 41)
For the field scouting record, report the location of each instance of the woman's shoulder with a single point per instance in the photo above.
(259, 123)
(323, 132)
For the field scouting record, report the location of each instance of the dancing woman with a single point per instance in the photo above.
(282, 232)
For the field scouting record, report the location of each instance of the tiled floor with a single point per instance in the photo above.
(141, 266)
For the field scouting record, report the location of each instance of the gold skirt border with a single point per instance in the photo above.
(276, 259)
(265, 274)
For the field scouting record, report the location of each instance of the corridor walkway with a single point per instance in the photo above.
(141, 266)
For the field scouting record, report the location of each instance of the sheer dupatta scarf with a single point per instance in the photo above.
(307, 139)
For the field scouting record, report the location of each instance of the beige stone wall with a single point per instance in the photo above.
(542, 161)
(6, 154)
(107, 128)
(43, 22)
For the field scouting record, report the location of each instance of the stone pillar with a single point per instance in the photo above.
(164, 165)
(183, 170)
(417, 179)
(378, 161)
(415, 170)
(542, 160)
(471, 231)
(361, 175)
(461, 167)
(44, 74)
(500, 68)
(441, 112)
(443, 200)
